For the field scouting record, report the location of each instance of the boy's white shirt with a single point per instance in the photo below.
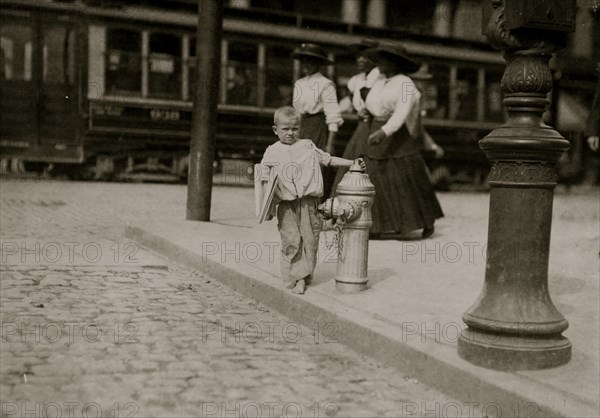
(298, 166)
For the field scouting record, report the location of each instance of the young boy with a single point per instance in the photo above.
(299, 188)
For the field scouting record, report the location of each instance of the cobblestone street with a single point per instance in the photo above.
(94, 326)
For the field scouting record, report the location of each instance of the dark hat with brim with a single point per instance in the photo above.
(422, 74)
(311, 51)
(398, 54)
(363, 46)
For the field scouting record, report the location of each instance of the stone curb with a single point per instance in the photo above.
(378, 339)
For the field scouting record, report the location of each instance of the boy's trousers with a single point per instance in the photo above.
(299, 225)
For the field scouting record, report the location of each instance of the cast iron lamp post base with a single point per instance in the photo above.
(513, 352)
(514, 325)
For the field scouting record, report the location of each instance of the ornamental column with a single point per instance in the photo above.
(514, 324)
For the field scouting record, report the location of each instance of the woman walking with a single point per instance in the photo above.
(405, 200)
(359, 87)
(315, 98)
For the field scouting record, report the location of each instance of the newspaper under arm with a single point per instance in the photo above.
(267, 208)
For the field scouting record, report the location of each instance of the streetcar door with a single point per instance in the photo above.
(58, 87)
(18, 95)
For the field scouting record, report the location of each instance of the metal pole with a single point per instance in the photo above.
(204, 117)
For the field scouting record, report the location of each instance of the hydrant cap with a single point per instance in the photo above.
(356, 183)
(355, 168)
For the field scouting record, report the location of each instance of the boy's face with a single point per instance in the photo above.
(287, 129)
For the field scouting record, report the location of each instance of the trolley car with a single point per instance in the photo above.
(105, 88)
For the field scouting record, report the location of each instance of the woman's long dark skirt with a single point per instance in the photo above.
(354, 149)
(405, 199)
(313, 127)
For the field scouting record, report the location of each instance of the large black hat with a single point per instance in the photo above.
(311, 51)
(422, 74)
(364, 45)
(396, 53)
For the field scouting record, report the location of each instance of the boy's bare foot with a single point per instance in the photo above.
(299, 289)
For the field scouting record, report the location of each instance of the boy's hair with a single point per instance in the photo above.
(285, 111)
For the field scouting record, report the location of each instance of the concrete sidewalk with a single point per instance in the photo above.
(410, 316)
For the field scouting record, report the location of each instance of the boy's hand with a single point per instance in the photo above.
(361, 163)
(376, 137)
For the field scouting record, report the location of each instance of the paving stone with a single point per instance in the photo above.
(12, 275)
(151, 276)
(85, 284)
(23, 268)
(92, 269)
(121, 279)
(37, 272)
(18, 282)
(54, 280)
(59, 268)
(143, 365)
(11, 294)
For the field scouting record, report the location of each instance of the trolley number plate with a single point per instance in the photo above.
(161, 114)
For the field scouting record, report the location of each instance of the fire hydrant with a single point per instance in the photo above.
(351, 211)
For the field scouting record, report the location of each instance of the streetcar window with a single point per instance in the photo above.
(241, 74)
(437, 92)
(429, 98)
(493, 96)
(192, 68)
(280, 76)
(123, 61)
(15, 58)
(414, 15)
(59, 55)
(330, 8)
(466, 94)
(164, 66)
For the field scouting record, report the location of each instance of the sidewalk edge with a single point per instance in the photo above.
(464, 385)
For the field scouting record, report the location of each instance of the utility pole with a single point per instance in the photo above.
(204, 116)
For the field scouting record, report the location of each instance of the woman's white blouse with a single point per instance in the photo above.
(359, 81)
(316, 93)
(396, 100)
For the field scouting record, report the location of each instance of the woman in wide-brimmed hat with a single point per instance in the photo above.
(359, 86)
(315, 98)
(404, 200)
